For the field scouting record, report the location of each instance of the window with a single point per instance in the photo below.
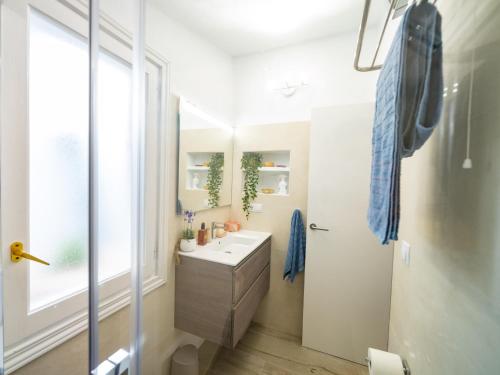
(44, 172)
(58, 164)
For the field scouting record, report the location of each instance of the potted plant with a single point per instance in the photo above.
(250, 164)
(188, 241)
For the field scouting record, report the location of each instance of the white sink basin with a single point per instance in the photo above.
(231, 249)
(239, 239)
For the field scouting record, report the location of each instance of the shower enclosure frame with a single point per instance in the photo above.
(159, 278)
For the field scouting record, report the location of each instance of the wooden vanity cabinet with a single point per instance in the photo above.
(217, 302)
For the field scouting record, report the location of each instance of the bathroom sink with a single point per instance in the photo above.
(231, 249)
(237, 239)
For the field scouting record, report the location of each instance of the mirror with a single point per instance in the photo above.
(205, 160)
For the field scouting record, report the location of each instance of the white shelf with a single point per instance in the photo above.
(273, 194)
(269, 177)
(194, 167)
(197, 168)
(274, 169)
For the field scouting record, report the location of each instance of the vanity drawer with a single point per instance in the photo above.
(245, 275)
(244, 311)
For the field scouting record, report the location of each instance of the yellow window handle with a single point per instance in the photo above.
(17, 253)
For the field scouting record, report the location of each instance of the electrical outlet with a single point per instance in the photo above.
(405, 252)
(256, 207)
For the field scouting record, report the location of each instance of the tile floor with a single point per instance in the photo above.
(266, 352)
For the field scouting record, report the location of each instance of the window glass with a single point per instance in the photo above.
(58, 162)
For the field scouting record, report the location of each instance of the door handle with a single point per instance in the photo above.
(315, 227)
(17, 253)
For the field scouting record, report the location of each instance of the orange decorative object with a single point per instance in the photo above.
(232, 226)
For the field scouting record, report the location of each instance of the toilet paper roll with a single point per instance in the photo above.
(384, 363)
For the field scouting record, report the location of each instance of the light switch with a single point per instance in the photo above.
(405, 252)
(256, 207)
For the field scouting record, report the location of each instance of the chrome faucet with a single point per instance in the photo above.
(215, 226)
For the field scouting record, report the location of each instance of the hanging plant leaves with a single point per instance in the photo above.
(214, 178)
(250, 164)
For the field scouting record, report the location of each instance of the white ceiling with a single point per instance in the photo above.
(241, 27)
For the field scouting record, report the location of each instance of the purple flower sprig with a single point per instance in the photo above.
(189, 218)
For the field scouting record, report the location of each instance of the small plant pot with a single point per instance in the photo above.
(188, 245)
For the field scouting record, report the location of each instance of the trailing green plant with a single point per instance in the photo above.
(250, 163)
(214, 178)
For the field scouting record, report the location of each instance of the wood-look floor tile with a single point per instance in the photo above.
(238, 362)
(268, 352)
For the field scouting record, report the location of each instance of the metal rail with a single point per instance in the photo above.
(361, 36)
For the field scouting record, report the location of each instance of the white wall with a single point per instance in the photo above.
(445, 316)
(282, 308)
(199, 71)
(326, 64)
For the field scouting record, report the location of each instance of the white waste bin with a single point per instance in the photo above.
(185, 361)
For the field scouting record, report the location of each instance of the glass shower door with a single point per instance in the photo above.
(128, 123)
(132, 106)
(2, 366)
(72, 172)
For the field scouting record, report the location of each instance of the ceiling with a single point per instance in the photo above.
(241, 27)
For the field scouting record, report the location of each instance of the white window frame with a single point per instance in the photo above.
(36, 345)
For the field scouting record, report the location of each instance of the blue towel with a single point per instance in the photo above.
(296, 258)
(408, 108)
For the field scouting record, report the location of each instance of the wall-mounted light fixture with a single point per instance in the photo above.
(288, 89)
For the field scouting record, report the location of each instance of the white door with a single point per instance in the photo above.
(348, 274)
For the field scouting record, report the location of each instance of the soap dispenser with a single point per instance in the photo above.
(202, 235)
